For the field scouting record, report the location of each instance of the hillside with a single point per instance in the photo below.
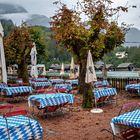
(37, 19)
(132, 37)
(11, 8)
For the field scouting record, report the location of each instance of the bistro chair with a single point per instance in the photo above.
(43, 111)
(6, 107)
(128, 107)
(132, 93)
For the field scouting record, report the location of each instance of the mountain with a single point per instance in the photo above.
(7, 25)
(37, 19)
(132, 37)
(11, 8)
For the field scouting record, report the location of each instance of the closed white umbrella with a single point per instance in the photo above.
(34, 71)
(33, 53)
(62, 69)
(90, 70)
(2, 57)
(91, 77)
(72, 67)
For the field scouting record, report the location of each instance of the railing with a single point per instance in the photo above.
(120, 83)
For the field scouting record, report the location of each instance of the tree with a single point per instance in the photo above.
(17, 50)
(98, 34)
(38, 35)
(8, 26)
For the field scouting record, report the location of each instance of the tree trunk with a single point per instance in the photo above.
(22, 71)
(84, 88)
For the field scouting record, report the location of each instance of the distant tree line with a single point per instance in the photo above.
(133, 56)
(47, 51)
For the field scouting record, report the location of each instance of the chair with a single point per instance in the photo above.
(23, 84)
(63, 90)
(99, 86)
(108, 86)
(132, 92)
(5, 107)
(17, 113)
(130, 134)
(101, 100)
(13, 85)
(45, 110)
(44, 91)
(133, 82)
(129, 107)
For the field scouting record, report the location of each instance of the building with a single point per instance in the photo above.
(98, 67)
(110, 67)
(126, 67)
(121, 55)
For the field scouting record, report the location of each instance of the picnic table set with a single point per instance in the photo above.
(133, 86)
(51, 99)
(9, 91)
(100, 92)
(56, 81)
(101, 83)
(40, 84)
(68, 87)
(40, 79)
(2, 85)
(72, 82)
(129, 119)
(19, 128)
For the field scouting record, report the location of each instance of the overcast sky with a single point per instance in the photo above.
(46, 7)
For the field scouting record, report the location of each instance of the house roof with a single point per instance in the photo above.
(54, 65)
(98, 66)
(124, 65)
(109, 65)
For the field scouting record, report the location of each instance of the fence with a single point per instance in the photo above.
(120, 83)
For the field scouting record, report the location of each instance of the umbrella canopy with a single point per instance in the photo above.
(90, 70)
(33, 54)
(34, 72)
(2, 57)
(72, 66)
(62, 69)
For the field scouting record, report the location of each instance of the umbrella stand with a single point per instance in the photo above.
(96, 110)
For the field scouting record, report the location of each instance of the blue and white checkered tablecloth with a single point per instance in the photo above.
(103, 83)
(65, 86)
(133, 86)
(19, 128)
(51, 99)
(129, 119)
(40, 79)
(14, 90)
(2, 85)
(73, 82)
(100, 92)
(55, 81)
(40, 84)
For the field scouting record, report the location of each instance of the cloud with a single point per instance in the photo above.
(46, 7)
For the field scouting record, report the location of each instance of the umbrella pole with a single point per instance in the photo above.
(96, 109)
